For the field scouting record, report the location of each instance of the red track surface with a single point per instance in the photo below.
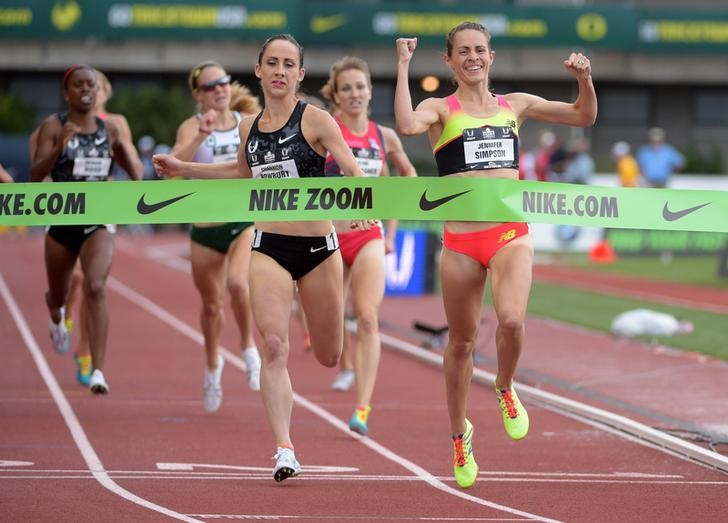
(150, 442)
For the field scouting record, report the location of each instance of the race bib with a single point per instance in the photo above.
(370, 166)
(283, 169)
(486, 145)
(91, 167)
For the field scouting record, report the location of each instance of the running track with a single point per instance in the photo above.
(149, 452)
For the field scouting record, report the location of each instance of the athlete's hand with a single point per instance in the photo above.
(406, 48)
(578, 65)
(207, 121)
(362, 225)
(167, 166)
(68, 131)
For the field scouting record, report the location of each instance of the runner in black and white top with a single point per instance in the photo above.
(288, 139)
(77, 146)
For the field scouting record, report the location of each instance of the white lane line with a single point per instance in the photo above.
(266, 517)
(370, 478)
(423, 474)
(350, 472)
(604, 420)
(69, 416)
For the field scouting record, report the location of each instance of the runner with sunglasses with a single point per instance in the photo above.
(220, 253)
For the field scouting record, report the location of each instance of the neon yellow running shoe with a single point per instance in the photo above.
(358, 421)
(515, 417)
(464, 465)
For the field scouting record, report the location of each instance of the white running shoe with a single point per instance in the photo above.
(213, 386)
(287, 465)
(344, 380)
(97, 383)
(60, 337)
(252, 365)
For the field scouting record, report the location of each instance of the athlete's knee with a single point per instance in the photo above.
(328, 358)
(94, 287)
(276, 349)
(368, 321)
(511, 324)
(238, 287)
(461, 344)
(212, 309)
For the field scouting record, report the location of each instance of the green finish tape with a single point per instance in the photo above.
(426, 198)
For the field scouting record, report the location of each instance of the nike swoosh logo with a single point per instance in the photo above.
(324, 24)
(317, 249)
(148, 208)
(671, 216)
(99, 141)
(284, 140)
(89, 230)
(428, 205)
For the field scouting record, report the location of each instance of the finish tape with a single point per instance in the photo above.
(416, 198)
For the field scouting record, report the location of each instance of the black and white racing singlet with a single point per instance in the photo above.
(284, 153)
(86, 157)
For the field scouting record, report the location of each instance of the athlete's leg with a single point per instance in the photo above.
(208, 273)
(463, 286)
(511, 269)
(59, 262)
(238, 287)
(96, 255)
(322, 299)
(367, 293)
(75, 295)
(271, 296)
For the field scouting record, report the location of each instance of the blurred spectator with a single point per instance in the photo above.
(658, 160)
(627, 168)
(579, 165)
(549, 158)
(145, 146)
(5, 175)
(527, 166)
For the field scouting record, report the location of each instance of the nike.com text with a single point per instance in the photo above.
(536, 202)
(42, 204)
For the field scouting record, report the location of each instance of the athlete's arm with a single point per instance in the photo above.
(244, 132)
(168, 166)
(122, 154)
(135, 168)
(581, 113)
(5, 176)
(403, 165)
(321, 125)
(396, 153)
(190, 135)
(409, 121)
(52, 138)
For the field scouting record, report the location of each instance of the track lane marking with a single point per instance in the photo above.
(162, 314)
(69, 416)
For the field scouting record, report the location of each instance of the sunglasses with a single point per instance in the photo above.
(210, 86)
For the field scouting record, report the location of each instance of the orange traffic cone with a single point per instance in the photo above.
(602, 252)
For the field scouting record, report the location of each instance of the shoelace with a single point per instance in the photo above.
(509, 404)
(460, 459)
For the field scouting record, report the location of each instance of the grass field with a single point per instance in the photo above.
(691, 270)
(596, 311)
